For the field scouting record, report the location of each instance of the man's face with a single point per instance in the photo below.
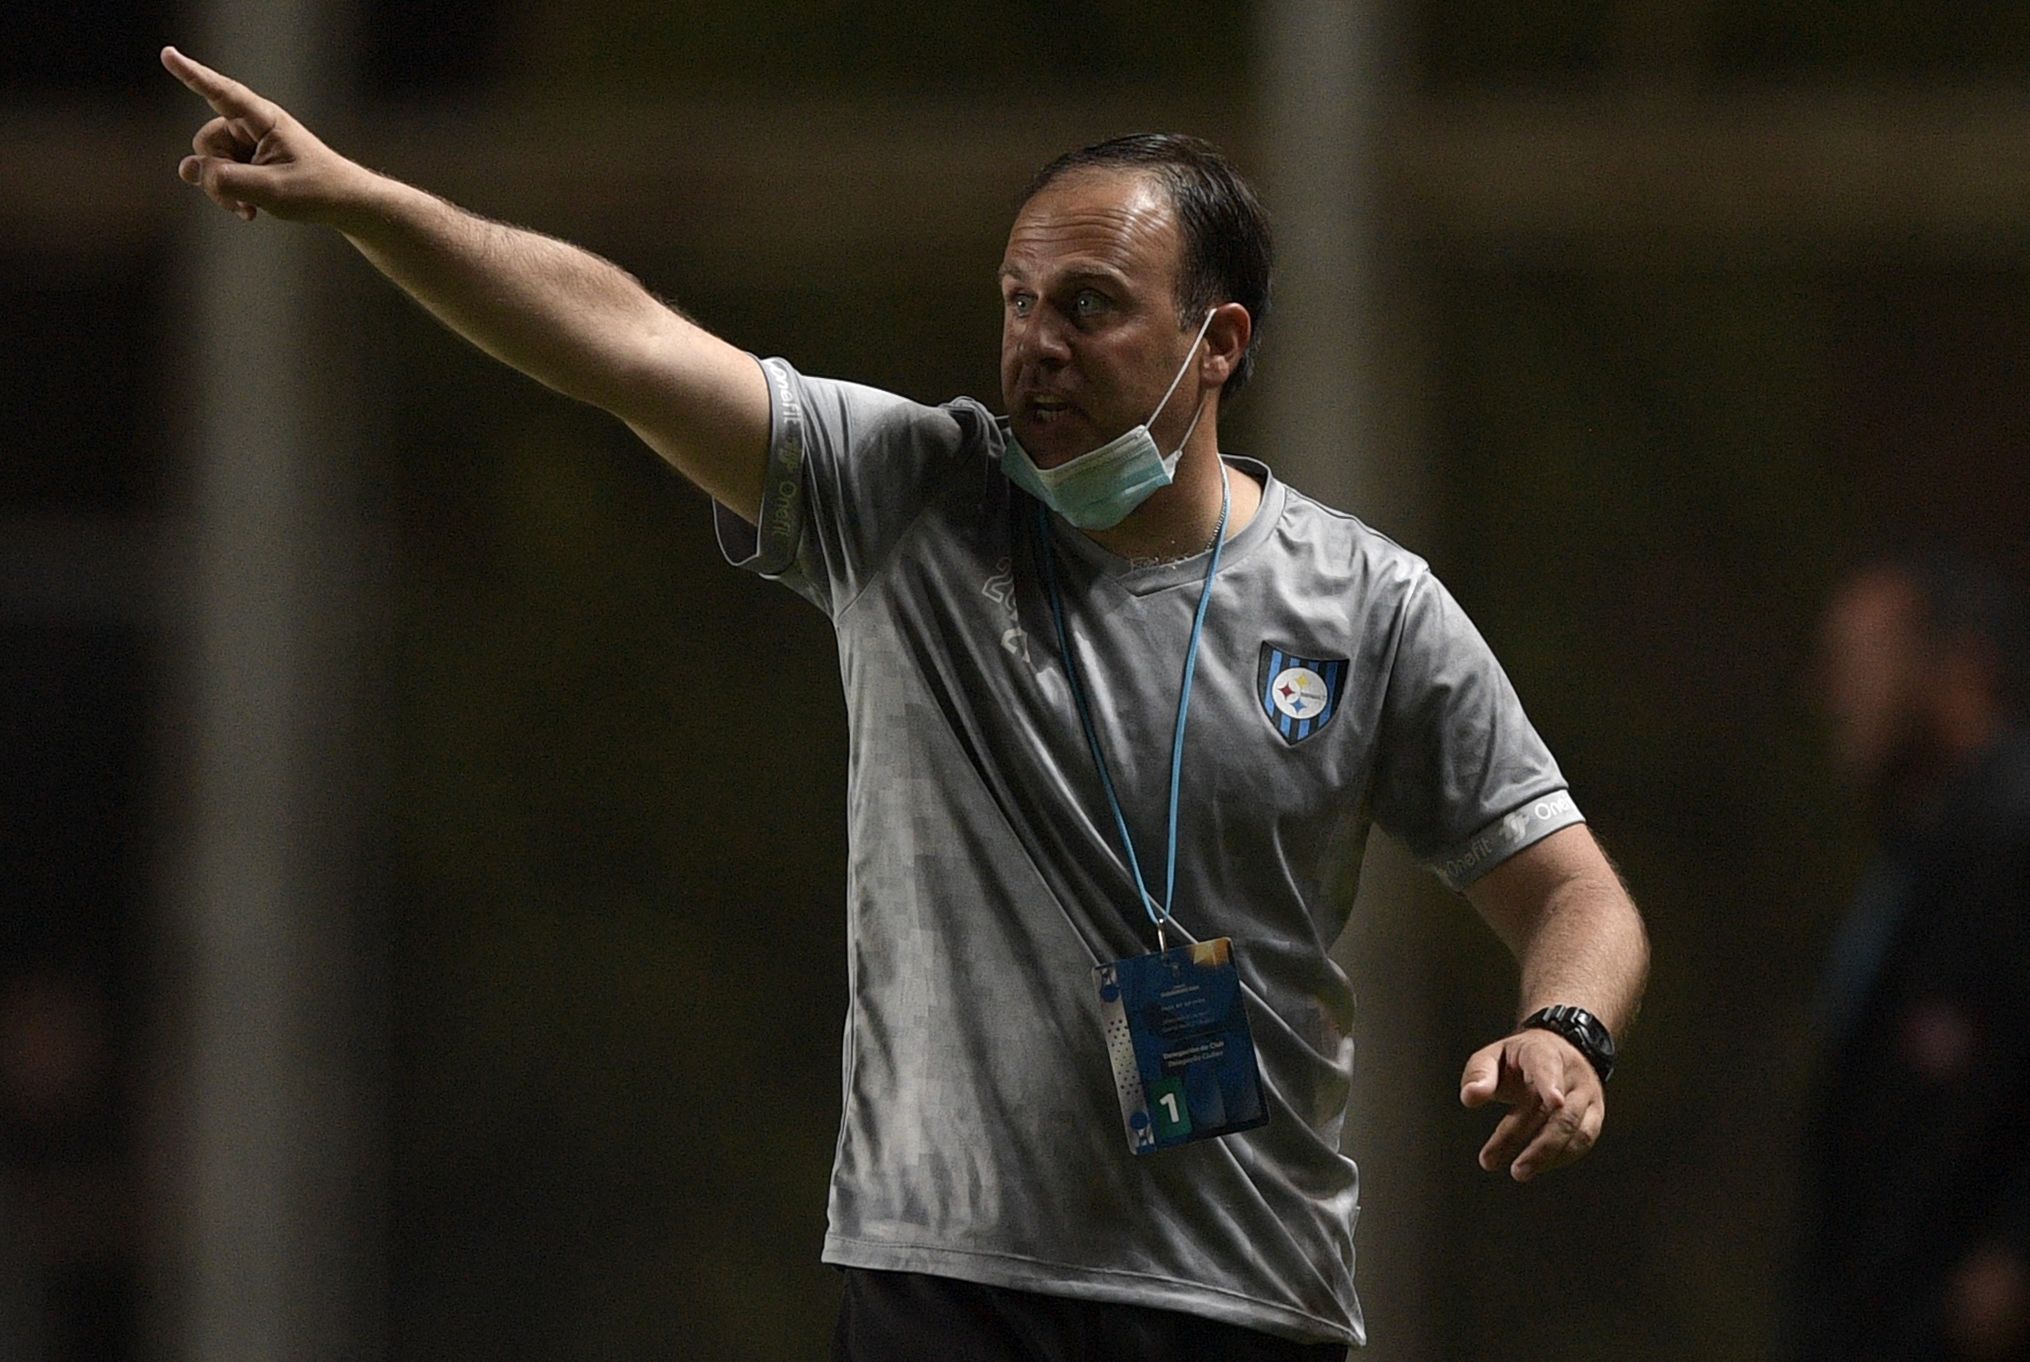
(1872, 677)
(1090, 335)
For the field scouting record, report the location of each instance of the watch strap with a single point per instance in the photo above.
(1586, 1032)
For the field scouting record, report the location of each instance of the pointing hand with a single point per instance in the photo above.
(1556, 1105)
(253, 155)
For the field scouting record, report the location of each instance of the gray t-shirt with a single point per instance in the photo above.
(982, 1135)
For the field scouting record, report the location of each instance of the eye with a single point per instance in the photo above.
(1089, 303)
(1021, 304)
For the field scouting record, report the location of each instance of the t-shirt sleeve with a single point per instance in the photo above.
(850, 468)
(1461, 775)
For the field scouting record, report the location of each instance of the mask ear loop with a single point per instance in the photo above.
(1171, 391)
(1172, 459)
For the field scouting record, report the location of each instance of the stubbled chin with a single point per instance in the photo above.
(1052, 442)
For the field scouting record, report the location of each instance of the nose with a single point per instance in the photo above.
(1039, 337)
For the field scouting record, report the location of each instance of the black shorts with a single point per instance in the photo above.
(908, 1316)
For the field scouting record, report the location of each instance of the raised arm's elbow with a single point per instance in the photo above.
(701, 404)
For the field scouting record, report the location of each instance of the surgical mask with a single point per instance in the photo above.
(1098, 489)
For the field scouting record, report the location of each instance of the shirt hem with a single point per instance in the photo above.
(1047, 1277)
(1520, 828)
(768, 547)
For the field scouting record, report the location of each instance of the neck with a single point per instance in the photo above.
(1970, 720)
(1179, 520)
(1960, 735)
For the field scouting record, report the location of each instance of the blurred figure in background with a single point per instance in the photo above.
(1918, 1182)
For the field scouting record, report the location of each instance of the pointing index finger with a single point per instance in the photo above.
(225, 95)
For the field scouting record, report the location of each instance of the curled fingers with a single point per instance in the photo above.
(1565, 1138)
(211, 173)
(1538, 1102)
(226, 138)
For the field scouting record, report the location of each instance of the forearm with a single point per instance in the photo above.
(1561, 909)
(560, 314)
(1588, 948)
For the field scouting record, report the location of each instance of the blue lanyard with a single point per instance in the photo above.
(1158, 913)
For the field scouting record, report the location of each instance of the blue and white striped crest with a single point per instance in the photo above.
(1299, 694)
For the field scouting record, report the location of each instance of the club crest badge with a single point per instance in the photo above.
(1299, 694)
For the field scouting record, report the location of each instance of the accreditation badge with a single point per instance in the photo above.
(1177, 1032)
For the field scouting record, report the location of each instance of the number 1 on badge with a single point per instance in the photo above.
(1173, 1118)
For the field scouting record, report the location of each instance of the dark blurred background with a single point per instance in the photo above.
(423, 860)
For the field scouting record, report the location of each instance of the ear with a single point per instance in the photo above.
(1226, 340)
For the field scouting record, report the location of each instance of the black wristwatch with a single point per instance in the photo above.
(1589, 1036)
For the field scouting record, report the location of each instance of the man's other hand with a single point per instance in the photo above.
(1555, 1100)
(253, 155)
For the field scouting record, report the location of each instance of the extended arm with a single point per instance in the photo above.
(558, 313)
(1563, 913)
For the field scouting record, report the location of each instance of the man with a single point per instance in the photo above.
(1917, 1239)
(1021, 608)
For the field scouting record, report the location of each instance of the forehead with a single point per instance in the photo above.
(1096, 221)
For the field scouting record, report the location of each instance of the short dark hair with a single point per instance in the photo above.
(1227, 246)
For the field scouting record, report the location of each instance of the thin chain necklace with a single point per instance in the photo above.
(1219, 527)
